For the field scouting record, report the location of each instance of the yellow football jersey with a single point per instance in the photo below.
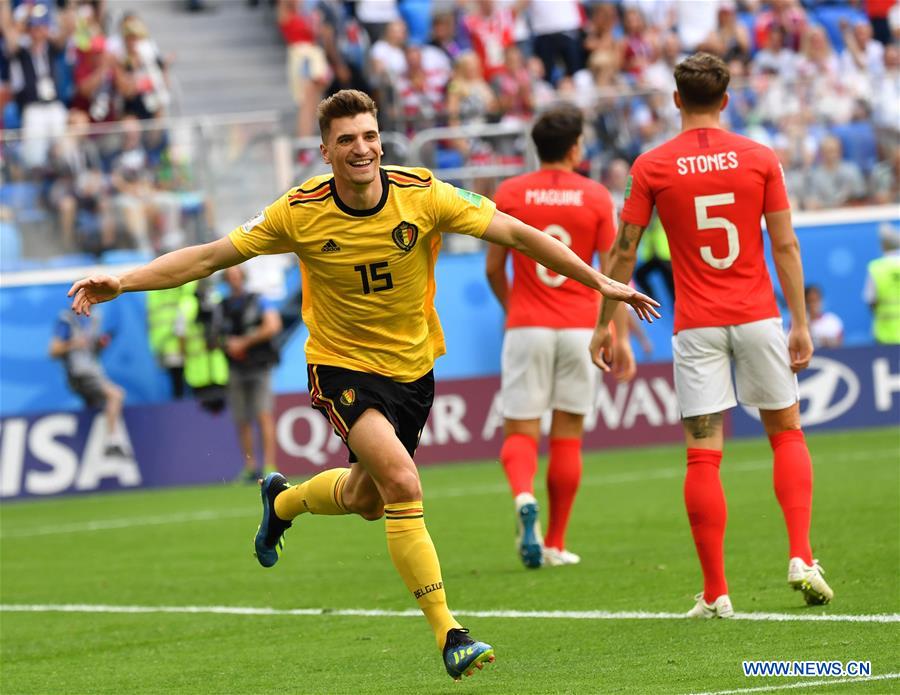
(368, 275)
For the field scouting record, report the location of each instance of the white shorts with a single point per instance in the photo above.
(546, 368)
(762, 369)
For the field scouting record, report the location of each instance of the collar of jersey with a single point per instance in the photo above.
(363, 213)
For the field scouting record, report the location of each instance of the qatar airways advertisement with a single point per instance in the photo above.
(180, 444)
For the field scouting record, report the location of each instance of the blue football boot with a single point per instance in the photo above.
(462, 654)
(269, 541)
(529, 539)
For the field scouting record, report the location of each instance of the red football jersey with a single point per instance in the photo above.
(577, 211)
(711, 188)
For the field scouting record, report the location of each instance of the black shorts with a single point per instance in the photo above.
(91, 388)
(342, 395)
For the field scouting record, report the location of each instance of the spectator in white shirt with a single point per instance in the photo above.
(834, 182)
(825, 327)
(862, 53)
(389, 54)
(775, 57)
(556, 26)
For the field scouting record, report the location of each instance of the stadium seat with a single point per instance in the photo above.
(748, 20)
(10, 246)
(191, 202)
(417, 15)
(859, 144)
(11, 118)
(24, 198)
(71, 260)
(116, 256)
(448, 159)
(830, 17)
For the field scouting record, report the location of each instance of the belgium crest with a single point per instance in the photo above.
(405, 236)
(348, 396)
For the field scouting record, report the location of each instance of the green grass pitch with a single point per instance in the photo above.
(192, 547)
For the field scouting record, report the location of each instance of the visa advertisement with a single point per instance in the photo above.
(180, 444)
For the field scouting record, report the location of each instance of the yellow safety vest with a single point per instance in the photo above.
(885, 274)
(163, 311)
(654, 243)
(203, 366)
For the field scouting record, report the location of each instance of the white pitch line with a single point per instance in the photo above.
(803, 684)
(107, 524)
(588, 481)
(411, 613)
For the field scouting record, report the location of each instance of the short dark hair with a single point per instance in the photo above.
(343, 104)
(702, 80)
(556, 131)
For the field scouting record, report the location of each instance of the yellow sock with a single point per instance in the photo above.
(321, 494)
(416, 560)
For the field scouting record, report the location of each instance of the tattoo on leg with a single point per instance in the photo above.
(703, 426)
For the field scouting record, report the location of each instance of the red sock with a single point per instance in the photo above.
(792, 475)
(707, 512)
(563, 476)
(519, 456)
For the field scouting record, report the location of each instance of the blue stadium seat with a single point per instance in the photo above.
(448, 159)
(11, 118)
(24, 198)
(859, 144)
(830, 16)
(191, 201)
(292, 280)
(115, 256)
(71, 260)
(19, 194)
(749, 21)
(417, 15)
(10, 246)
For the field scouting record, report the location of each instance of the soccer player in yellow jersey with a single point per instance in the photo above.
(367, 238)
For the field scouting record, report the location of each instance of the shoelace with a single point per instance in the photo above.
(458, 636)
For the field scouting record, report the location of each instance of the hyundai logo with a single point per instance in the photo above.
(821, 397)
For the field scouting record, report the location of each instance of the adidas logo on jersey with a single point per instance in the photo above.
(330, 246)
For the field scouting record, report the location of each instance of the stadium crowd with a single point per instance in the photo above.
(83, 93)
(817, 81)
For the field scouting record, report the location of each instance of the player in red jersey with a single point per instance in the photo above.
(710, 189)
(549, 322)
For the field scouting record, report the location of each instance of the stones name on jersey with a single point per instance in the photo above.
(554, 197)
(703, 163)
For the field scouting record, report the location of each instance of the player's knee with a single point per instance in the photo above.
(402, 486)
(368, 505)
(778, 421)
(372, 513)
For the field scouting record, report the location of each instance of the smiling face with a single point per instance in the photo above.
(353, 149)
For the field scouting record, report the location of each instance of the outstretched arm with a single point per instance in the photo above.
(171, 270)
(553, 254)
